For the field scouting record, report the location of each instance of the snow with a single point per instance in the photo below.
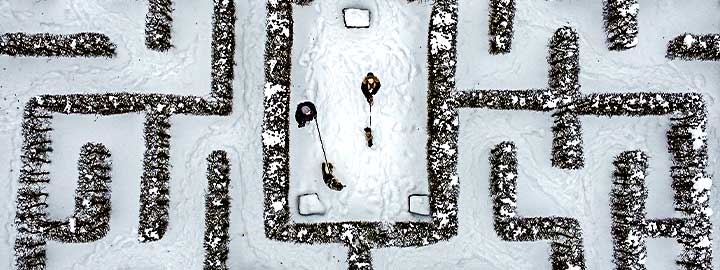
(419, 205)
(702, 184)
(329, 62)
(272, 138)
(356, 18)
(698, 136)
(310, 204)
(689, 40)
(278, 205)
(705, 242)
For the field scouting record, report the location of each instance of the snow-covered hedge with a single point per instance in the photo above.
(53, 45)
(31, 221)
(443, 122)
(158, 25)
(303, 2)
(30, 213)
(217, 212)
(687, 141)
(621, 23)
(500, 34)
(695, 47)
(155, 180)
(91, 216)
(567, 151)
(565, 233)
(627, 207)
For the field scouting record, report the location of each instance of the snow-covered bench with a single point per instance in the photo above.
(356, 18)
(419, 204)
(310, 204)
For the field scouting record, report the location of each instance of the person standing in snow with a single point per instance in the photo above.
(370, 86)
(304, 113)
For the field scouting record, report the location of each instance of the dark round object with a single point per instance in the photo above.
(305, 112)
(370, 74)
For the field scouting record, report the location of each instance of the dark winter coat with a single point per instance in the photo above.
(330, 180)
(302, 118)
(368, 89)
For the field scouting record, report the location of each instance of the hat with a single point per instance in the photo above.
(370, 74)
(306, 110)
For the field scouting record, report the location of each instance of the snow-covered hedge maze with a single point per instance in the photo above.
(686, 141)
(631, 228)
(563, 91)
(565, 233)
(562, 98)
(33, 228)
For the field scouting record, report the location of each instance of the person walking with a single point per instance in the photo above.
(304, 113)
(370, 87)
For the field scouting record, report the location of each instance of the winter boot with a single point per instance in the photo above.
(330, 180)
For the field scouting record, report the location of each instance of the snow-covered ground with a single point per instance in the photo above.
(329, 62)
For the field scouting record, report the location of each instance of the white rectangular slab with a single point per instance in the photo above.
(356, 18)
(310, 204)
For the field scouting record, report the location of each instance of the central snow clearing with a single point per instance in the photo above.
(329, 63)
